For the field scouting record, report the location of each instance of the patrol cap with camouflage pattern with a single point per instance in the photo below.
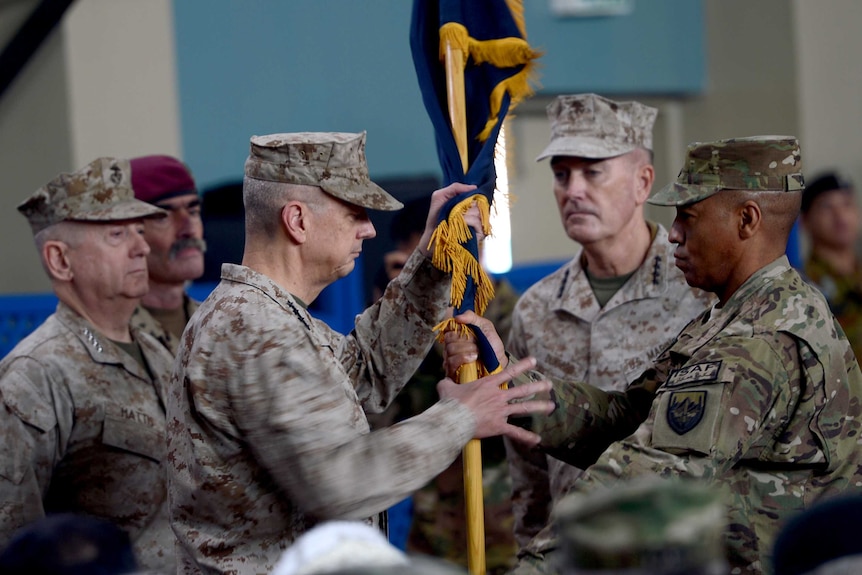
(333, 161)
(101, 191)
(755, 164)
(654, 526)
(590, 126)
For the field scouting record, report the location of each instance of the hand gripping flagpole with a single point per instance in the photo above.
(491, 35)
(472, 454)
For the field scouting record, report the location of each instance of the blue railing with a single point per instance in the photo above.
(337, 305)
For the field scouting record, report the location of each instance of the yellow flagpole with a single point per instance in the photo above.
(472, 454)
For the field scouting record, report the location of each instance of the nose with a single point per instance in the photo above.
(186, 224)
(368, 231)
(576, 188)
(675, 235)
(140, 247)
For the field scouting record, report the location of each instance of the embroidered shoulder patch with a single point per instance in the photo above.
(699, 372)
(685, 410)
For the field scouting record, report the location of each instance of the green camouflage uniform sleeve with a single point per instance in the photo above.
(701, 426)
(586, 419)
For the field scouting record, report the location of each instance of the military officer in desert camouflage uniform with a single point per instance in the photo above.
(267, 434)
(604, 316)
(176, 246)
(760, 395)
(88, 390)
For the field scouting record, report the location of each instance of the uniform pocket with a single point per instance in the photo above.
(129, 435)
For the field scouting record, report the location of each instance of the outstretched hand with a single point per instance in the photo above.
(492, 406)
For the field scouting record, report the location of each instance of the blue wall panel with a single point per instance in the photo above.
(263, 66)
(657, 49)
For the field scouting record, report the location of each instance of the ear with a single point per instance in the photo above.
(644, 178)
(55, 255)
(750, 219)
(295, 221)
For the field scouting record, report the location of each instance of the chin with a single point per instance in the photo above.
(345, 270)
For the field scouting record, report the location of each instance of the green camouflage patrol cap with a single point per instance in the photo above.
(101, 191)
(333, 161)
(590, 126)
(655, 526)
(756, 164)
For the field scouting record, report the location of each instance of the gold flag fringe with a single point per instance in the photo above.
(449, 254)
(502, 53)
(452, 257)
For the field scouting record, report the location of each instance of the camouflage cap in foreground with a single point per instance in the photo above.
(333, 161)
(655, 526)
(756, 164)
(101, 191)
(590, 126)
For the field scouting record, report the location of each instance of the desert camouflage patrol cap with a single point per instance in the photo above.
(654, 526)
(756, 164)
(333, 161)
(101, 191)
(590, 126)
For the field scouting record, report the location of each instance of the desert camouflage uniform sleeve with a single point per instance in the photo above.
(703, 427)
(392, 337)
(528, 468)
(298, 417)
(31, 444)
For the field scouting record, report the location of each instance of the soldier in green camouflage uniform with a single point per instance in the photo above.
(760, 395)
(605, 315)
(831, 218)
(267, 432)
(87, 389)
(176, 246)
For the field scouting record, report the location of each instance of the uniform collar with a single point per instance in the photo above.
(287, 301)
(650, 280)
(98, 346)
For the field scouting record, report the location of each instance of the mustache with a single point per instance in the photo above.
(184, 243)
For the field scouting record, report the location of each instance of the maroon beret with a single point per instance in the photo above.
(156, 178)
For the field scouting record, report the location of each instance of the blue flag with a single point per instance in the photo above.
(498, 66)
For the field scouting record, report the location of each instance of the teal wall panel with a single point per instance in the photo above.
(262, 66)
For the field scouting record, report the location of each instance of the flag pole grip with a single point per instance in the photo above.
(472, 453)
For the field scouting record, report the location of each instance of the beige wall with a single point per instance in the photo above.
(751, 89)
(102, 84)
(829, 84)
(34, 145)
(122, 79)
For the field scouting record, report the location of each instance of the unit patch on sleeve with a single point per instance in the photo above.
(685, 410)
(699, 372)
